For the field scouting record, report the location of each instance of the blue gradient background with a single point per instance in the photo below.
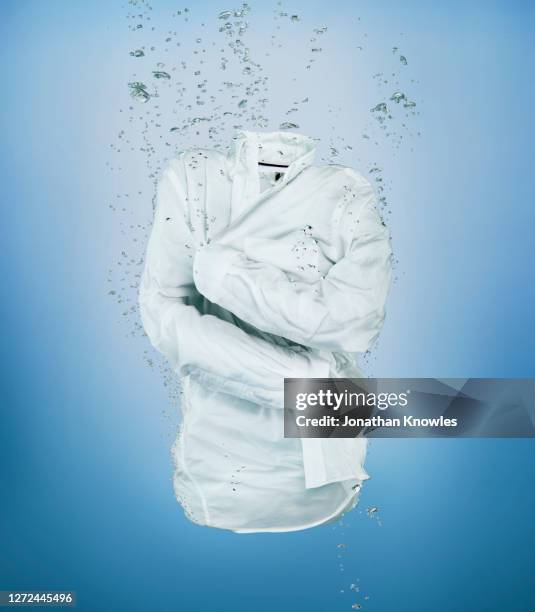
(87, 502)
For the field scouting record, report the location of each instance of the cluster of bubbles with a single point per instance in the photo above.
(352, 591)
(191, 84)
(195, 80)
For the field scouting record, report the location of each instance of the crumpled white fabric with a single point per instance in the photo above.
(244, 286)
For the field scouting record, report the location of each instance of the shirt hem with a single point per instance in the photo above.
(339, 510)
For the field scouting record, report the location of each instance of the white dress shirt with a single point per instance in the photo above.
(257, 272)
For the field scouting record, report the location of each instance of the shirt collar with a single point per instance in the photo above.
(248, 148)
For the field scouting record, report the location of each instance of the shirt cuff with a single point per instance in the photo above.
(211, 263)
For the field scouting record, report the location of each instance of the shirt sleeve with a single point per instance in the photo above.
(343, 311)
(221, 355)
